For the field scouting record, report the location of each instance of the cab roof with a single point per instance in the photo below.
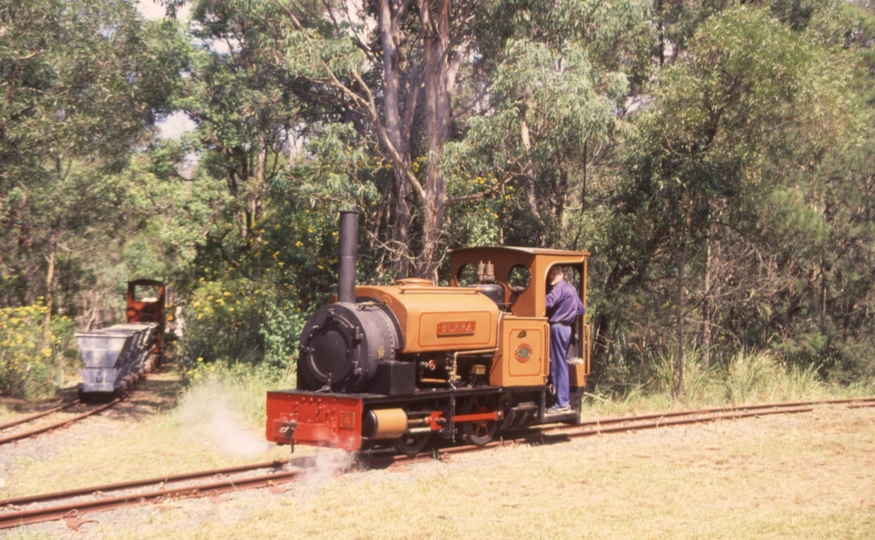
(527, 250)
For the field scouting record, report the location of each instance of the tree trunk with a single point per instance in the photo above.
(390, 37)
(707, 304)
(403, 221)
(529, 169)
(583, 190)
(660, 29)
(435, 34)
(254, 190)
(682, 263)
(50, 297)
(562, 199)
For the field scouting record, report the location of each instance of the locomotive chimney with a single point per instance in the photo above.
(348, 241)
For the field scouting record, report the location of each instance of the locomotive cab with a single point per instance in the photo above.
(522, 275)
(398, 366)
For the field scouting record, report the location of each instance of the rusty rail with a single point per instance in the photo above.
(31, 433)
(102, 502)
(32, 417)
(623, 424)
(38, 515)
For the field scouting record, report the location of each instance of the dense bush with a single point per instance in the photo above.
(239, 321)
(30, 367)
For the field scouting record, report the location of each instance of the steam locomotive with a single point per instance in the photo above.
(398, 366)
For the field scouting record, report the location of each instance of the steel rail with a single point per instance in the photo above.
(862, 405)
(573, 432)
(633, 423)
(670, 414)
(11, 438)
(32, 417)
(31, 433)
(74, 509)
(20, 501)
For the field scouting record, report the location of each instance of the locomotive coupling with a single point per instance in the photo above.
(287, 430)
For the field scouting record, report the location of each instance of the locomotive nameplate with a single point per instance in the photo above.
(456, 328)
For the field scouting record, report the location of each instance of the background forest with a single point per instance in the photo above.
(714, 156)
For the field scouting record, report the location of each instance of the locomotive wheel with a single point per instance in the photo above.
(479, 433)
(412, 443)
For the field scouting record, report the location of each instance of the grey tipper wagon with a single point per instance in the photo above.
(115, 357)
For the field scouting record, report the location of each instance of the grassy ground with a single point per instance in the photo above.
(803, 476)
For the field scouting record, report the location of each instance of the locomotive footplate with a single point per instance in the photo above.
(355, 421)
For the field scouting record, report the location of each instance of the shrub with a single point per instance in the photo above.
(29, 367)
(240, 321)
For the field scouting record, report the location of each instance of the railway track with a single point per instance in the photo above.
(626, 424)
(71, 412)
(74, 504)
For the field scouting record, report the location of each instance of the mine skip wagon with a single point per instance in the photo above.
(395, 366)
(115, 357)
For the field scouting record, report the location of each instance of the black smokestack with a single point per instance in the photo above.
(349, 224)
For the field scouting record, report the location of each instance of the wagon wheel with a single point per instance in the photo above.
(480, 432)
(412, 443)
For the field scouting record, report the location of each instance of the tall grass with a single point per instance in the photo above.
(700, 380)
(742, 378)
(759, 377)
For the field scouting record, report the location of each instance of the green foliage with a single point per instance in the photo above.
(221, 319)
(718, 148)
(556, 79)
(84, 83)
(726, 180)
(280, 330)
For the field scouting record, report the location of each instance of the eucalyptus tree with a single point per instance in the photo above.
(390, 67)
(242, 103)
(557, 79)
(410, 74)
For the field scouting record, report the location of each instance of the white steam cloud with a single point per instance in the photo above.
(228, 433)
(206, 407)
(325, 465)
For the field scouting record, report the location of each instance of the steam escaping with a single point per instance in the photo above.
(206, 407)
(327, 464)
(228, 433)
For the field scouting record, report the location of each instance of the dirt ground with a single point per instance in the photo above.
(802, 476)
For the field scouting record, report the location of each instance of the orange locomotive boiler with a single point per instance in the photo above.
(400, 365)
